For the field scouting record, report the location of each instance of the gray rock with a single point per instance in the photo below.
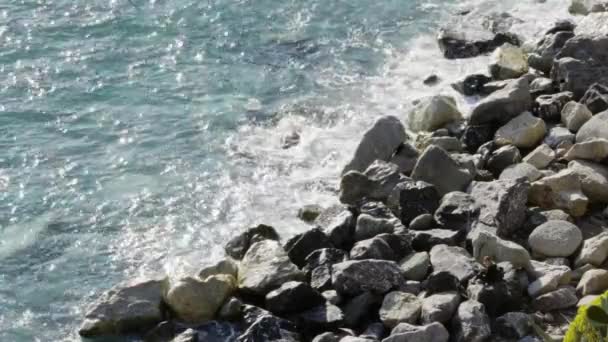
(457, 210)
(226, 266)
(542, 85)
(502, 158)
(331, 296)
(374, 248)
(301, 245)
(489, 245)
(369, 226)
(546, 49)
(265, 267)
(471, 323)
(594, 150)
(549, 107)
(544, 284)
(425, 240)
(593, 282)
(400, 307)
(562, 298)
(540, 157)
(454, 260)
(433, 112)
(239, 245)
(503, 105)
(268, 328)
(405, 157)
(594, 179)
(507, 62)
(339, 224)
(596, 128)
(196, 301)
(559, 135)
(513, 325)
(521, 170)
(360, 308)
(231, 310)
(435, 166)
(596, 98)
(358, 276)
(405, 332)
(379, 142)
(375, 183)
(470, 40)
(410, 199)
(293, 296)
(321, 318)
(575, 115)
(324, 257)
(594, 251)
(439, 307)
(421, 222)
(555, 239)
(502, 203)
(416, 266)
(116, 312)
(560, 191)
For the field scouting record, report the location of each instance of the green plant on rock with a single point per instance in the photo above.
(590, 323)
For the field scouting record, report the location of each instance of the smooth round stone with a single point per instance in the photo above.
(555, 239)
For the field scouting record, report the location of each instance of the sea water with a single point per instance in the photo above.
(138, 136)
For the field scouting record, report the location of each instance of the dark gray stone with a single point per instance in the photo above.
(546, 49)
(374, 248)
(476, 135)
(410, 199)
(549, 107)
(301, 245)
(457, 210)
(502, 158)
(293, 297)
(361, 309)
(503, 105)
(375, 183)
(435, 166)
(239, 245)
(427, 239)
(471, 323)
(596, 98)
(358, 276)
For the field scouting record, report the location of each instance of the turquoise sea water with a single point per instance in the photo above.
(137, 136)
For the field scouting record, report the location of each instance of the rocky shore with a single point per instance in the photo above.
(491, 226)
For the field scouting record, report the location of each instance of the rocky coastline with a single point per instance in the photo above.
(491, 226)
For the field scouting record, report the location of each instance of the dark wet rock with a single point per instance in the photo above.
(360, 309)
(164, 331)
(422, 222)
(320, 278)
(369, 226)
(190, 335)
(457, 210)
(472, 84)
(309, 213)
(416, 266)
(503, 105)
(327, 337)
(496, 297)
(562, 298)
(441, 281)
(338, 223)
(580, 63)
(375, 183)
(502, 158)
(546, 49)
(290, 140)
(454, 260)
(265, 267)
(266, 328)
(513, 325)
(374, 248)
(217, 331)
(431, 80)
(502, 203)
(321, 318)
(596, 98)
(435, 166)
(324, 257)
(561, 26)
(410, 199)
(123, 310)
(358, 276)
(378, 143)
(239, 245)
(463, 43)
(293, 297)
(405, 332)
(549, 107)
(301, 245)
(231, 310)
(405, 158)
(471, 323)
(476, 135)
(427, 239)
(374, 331)
(400, 243)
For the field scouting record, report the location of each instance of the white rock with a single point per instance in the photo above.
(560, 191)
(594, 251)
(555, 239)
(545, 284)
(593, 282)
(524, 131)
(487, 244)
(508, 61)
(595, 150)
(540, 157)
(575, 115)
(433, 112)
(594, 179)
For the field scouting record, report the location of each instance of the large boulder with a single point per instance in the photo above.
(543, 54)
(375, 183)
(358, 276)
(523, 131)
(471, 323)
(433, 112)
(560, 191)
(454, 260)
(410, 199)
(379, 142)
(575, 115)
(508, 61)
(133, 308)
(196, 301)
(555, 239)
(594, 179)
(457, 210)
(580, 63)
(488, 245)
(265, 267)
(502, 203)
(400, 307)
(596, 128)
(239, 245)
(405, 332)
(435, 166)
(503, 105)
